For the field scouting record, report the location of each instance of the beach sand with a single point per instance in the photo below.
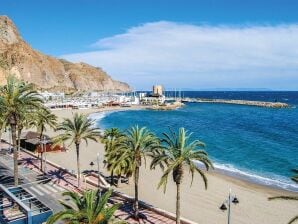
(197, 204)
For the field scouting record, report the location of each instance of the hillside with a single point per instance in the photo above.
(47, 72)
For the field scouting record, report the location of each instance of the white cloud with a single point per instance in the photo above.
(183, 55)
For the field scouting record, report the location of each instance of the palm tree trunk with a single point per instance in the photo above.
(119, 179)
(19, 139)
(41, 156)
(178, 204)
(78, 164)
(41, 150)
(136, 204)
(41, 132)
(0, 136)
(15, 153)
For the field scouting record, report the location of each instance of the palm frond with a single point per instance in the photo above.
(294, 219)
(63, 215)
(290, 198)
(177, 151)
(90, 208)
(295, 176)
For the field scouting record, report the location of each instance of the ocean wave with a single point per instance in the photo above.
(274, 181)
(98, 116)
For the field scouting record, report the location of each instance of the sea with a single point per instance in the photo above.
(252, 143)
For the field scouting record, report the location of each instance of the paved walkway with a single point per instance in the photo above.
(63, 179)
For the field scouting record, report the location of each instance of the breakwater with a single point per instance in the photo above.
(167, 106)
(238, 102)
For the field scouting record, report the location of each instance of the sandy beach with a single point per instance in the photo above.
(198, 204)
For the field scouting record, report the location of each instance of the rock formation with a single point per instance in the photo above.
(46, 72)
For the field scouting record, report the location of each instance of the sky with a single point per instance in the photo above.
(185, 44)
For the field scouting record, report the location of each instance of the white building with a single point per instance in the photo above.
(52, 96)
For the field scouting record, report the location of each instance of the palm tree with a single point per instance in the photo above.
(117, 160)
(121, 164)
(77, 130)
(89, 208)
(15, 97)
(112, 133)
(43, 118)
(290, 198)
(111, 153)
(137, 144)
(177, 154)
(25, 121)
(112, 138)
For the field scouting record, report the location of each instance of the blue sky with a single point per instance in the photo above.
(181, 44)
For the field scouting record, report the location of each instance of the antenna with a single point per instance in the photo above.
(175, 93)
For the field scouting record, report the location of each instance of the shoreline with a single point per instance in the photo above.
(221, 169)
(254, 206)
(255, 179)
(245, 183)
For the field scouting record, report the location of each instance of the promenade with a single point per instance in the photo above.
(58, 180)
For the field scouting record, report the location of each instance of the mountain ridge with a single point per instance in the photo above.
(46, 72)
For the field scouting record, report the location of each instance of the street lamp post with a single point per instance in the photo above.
(91, 164)
(45, 160)
(98, 174)
(41, 155)
(227, 202)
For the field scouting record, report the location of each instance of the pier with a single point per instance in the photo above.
(237, 102)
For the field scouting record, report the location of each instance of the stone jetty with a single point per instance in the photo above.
(167, 106)
(238, 102)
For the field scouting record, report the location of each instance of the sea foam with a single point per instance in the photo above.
(275, 181)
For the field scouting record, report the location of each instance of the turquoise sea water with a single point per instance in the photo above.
(258, 144)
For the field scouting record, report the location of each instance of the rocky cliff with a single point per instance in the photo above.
(46, 72)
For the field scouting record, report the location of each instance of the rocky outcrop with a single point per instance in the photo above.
(46, 72)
